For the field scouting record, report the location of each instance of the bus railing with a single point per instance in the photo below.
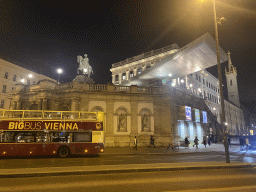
(50, 115)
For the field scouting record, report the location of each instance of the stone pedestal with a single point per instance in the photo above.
(83, 79)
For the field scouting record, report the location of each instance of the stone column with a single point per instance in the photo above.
(135, 72)
(120, 78)
(74, 104)
(13, 105)
(109, 130)
(134, 118)
(127, 75)
(113, 79)
(40, 104)
(18, 107)
(44, 104)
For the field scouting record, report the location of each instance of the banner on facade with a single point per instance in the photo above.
(196, 115)
(204, 114)
(184, 113)
(188, 113)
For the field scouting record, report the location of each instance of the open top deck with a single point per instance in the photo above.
(25, 115)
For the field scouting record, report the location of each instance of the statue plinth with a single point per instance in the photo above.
(83, 79)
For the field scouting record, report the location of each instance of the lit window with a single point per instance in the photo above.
(124, 76)
(139, 71)
(131, 74)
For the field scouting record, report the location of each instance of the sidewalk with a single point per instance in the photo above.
(116, 151)
(126, 168)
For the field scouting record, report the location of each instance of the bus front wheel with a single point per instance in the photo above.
(63, 152)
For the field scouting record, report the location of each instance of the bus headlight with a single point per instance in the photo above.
(102, 150)
(86, 151)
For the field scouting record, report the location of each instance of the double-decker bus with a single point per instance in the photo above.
(37, 132)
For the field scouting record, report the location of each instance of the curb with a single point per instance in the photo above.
(125, 170)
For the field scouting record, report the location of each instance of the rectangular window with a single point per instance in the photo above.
(124, 76)
(207, 83)
(199, 78)
(2, 103)
(6, 75)
(196, 77)
(117, 78)
(203, 82)
(4, 89)
(28, 81)
(139, 71)
(131, 74)
(14, 77)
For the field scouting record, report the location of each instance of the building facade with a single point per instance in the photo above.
(10, 75)
(200, 84)
(130, 110)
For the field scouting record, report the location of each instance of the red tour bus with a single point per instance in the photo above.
(37, 132)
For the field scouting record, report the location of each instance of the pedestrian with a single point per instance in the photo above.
(229, 142)
(152, 141)
(216, 139)
(135, 143)
(241, 142)
(247, 143)
(196, 142)
(209, 141)
(204, 142)
(186, 142)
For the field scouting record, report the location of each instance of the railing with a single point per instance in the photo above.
(97, 87)
(21, 115)
(122, 89)
(145, 89)
(146, 55)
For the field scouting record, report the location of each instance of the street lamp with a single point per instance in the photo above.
(222, 115)
(59, 71)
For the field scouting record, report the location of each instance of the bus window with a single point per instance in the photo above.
(83, 137)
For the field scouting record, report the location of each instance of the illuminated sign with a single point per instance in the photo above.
(197, 115)
(188, 113)
(204, 117)
(50, 125)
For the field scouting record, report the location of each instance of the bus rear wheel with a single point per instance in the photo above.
(63, 152)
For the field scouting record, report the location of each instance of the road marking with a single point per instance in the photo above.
(230, 189)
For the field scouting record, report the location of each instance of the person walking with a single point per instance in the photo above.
(229, 142)
(196, 142)
(247, 143)
(209, 141)
(241, 142)
(152, 141)
(186, 142)
(204, 142)
(135, 143)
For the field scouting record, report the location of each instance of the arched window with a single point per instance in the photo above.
(231, 83)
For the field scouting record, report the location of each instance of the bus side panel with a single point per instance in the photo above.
(86, 148)
(32, 149)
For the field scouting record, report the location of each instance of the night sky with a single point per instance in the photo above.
(45, 35)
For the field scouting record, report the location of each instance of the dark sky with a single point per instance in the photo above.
(44, 35)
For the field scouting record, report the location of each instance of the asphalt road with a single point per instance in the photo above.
(36, 162)
(196, 180)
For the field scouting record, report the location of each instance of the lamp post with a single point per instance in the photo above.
(220, 85)
(59, 71)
